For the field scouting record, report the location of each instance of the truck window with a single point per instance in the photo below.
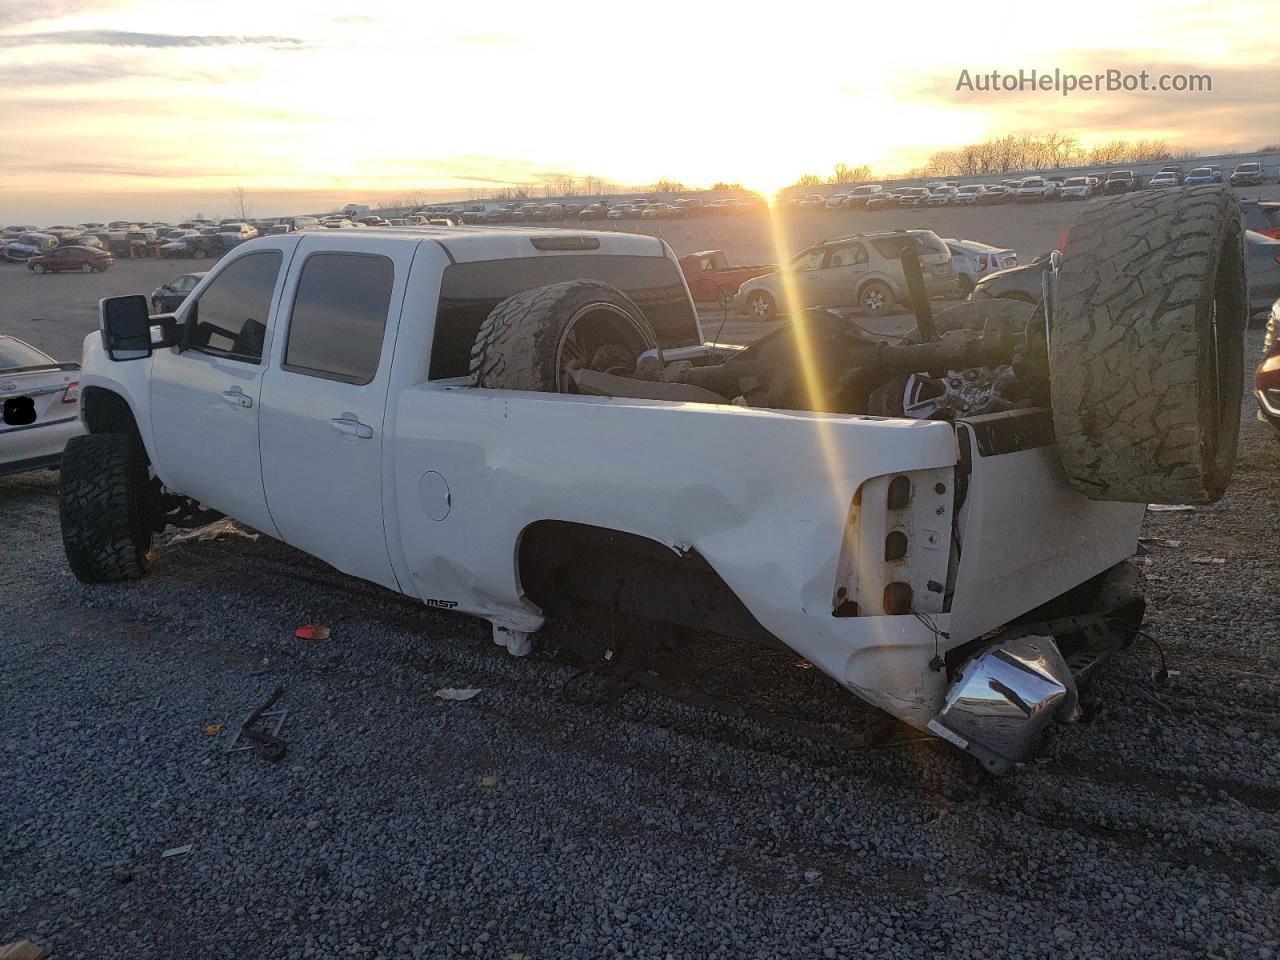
(230, 317)
(848, 255)
(339, 314)
(470, 291)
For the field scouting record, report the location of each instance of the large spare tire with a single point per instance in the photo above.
(1146, 353)
(535, 339)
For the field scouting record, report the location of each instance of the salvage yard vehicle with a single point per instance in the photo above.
(169, 296)
(1035, 188)
(1266, 379)
(39, 397)
(1248, 175)
(1120, 181)
(28, 246)
(711, 279)
(78, 258)
(512, 424)
(974, 259)
(1076, 188)
(863, 270)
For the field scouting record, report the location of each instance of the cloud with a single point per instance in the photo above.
(62, 74)
(21, 14)
(124, 38)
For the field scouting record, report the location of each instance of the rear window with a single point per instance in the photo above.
(15, 354)
(470, 291)
(892, 247)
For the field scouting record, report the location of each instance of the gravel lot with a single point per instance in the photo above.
(521, 824)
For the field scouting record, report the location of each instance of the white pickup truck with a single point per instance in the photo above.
(497, 421)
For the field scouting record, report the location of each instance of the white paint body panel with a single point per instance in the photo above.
(763, 496)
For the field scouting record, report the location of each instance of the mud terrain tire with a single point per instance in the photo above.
(103, 505)
(1146, 350)
(528, 340)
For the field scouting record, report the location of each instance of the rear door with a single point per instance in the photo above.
(205, 399)
(325, 397)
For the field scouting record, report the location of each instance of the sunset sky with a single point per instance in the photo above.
(134, 107)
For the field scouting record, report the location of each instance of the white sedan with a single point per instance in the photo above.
(41, 407)
(974, 259)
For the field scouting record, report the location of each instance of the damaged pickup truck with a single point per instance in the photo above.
(500, 421)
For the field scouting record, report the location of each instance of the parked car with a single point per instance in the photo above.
(859, 195)
(1198, 176)
(1262, 267)
(863, 270)
(1174, 168)
(594, 211)
(236, 233)
(913, 196)
(837, 201)
(26, 246)
(1266, 379)
(974, 260)
(1262, 216)
(1165, 178)
(188, 244)
(1120, 181)
(712, 279)
(1022, 282)
(1035, 189)
(967, 194)
(941, 196)
(39, 397)
(655, 210)
(1247, 175)
(1076, 188)
(167, 297)
(814, 201)
(81, 259)
(881, 201)
(84, 240)
(993, 193)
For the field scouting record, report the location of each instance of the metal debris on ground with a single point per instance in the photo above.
(312, 631)
(178, 851)
(265, 741)
(1209, 561)
(212, 531)
(1159, 542)
(1170, 507)
(450, 693)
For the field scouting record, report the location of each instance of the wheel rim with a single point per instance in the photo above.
(760, 306)
(86, 268)
(38, 268)
(590, 331)
(873, 300)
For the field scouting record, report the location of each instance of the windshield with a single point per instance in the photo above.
(1201, 172)
(1076, 182)
(15, 354)
(926, 243)
(970, 189)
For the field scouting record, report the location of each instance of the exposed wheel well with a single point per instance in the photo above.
(562, 564)
(105, 411)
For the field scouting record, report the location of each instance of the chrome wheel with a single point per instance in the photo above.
(599, 337)
(760, 306)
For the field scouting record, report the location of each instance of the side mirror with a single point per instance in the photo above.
(126, 327)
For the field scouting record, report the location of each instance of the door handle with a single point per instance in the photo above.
(238, 397)
(352, 428)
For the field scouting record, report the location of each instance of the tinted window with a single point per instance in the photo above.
(892, 246)
(231, 314)
(470, 291)
(339, 315)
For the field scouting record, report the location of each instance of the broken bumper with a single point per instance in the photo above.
(1003, 699)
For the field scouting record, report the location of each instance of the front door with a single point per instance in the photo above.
(204, 399)
(324, 400)
(838, 280)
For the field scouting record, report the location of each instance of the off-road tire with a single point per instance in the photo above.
(1146, 353)
(517, 346)
(104, 507)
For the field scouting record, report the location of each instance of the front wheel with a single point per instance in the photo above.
(86, 268)
(761, 306)
(105, 507)
(876, 298)
(37, 268)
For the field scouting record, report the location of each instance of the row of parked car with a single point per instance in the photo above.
(875, 196)
(95, 246)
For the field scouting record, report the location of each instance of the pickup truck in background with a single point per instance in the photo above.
(712, 280)
(513, 424)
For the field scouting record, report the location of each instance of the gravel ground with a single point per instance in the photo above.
(518, 824)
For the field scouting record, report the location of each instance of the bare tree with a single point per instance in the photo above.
(240, 204)
(808, 180)
(843, 173)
